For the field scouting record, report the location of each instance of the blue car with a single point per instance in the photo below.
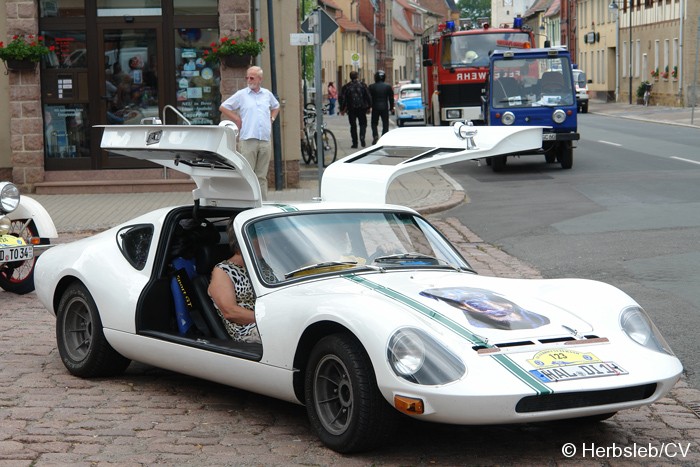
(409, 106)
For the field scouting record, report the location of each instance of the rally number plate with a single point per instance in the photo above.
(578, 371)
(16, 253)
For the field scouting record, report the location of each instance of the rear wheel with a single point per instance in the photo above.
(80, 339)
(18, 276)
(498, 163)
(343, 402)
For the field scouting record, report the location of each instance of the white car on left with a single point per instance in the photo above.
(366, 312)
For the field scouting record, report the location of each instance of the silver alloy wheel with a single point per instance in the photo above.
(333, 394)
(77, 329)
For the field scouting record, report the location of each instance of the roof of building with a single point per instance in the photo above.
(348, 25)
(400, 33)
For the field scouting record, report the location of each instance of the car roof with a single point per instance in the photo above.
(409, 86)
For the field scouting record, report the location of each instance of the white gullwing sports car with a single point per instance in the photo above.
(365, 311)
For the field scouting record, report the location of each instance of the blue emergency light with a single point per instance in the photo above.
(518, 22)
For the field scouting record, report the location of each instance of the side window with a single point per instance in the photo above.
(134, 242)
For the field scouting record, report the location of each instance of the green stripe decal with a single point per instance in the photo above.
(504, 360)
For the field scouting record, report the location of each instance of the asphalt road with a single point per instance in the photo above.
(628, 213)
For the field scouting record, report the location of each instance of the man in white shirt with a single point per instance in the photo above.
(254, 109)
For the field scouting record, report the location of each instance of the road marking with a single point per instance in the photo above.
(685, 160)
(610, 143)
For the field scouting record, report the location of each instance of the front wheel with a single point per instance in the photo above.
(18, 276)
(330, 147)
(81, 342)
(565, 154)
(343, 402)
(306, 151)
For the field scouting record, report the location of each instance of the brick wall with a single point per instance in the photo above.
(26, 127)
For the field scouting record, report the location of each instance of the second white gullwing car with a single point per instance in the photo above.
(365, 311)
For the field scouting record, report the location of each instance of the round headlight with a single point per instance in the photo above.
(508, 118)
(406, 353)
(417, 357)
(9, 197)
(637, 325)
(559, 116)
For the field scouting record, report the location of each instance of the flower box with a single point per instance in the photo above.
(20, 65)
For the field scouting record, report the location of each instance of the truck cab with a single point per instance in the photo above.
(534, 87)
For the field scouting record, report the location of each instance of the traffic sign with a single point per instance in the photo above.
(328, 25)
(301, 39)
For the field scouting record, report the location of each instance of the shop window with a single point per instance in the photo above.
(197, 82)
(65, 131)
(61, 8)
(195, 7)
(69, 49)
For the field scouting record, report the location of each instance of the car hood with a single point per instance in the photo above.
(208, 154)
(493, 310)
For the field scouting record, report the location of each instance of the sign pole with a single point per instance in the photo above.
(318, 97)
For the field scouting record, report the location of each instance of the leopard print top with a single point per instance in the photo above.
(246, 299)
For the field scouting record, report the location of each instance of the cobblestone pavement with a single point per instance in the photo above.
(154, 417)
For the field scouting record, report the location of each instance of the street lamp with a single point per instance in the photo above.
(615, 8)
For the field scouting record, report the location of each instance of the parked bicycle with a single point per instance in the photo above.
(309, 151)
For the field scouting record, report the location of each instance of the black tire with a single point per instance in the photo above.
(498, 163)
(565, 154)
(306, 152)
(330, 148)
(584, 108)
(550, 157)
(81, 342)
(399, 122)
(18, 276)
(343, 402)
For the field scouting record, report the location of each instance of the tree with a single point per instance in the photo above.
(474, 9)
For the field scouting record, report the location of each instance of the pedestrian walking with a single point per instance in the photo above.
(356, 102)
(332, 98)
(254, 110)
(382, 96)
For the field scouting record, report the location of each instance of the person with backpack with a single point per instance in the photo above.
(356, 102)
(382, 96)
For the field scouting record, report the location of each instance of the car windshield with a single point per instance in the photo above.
(408, 93)
(299, 245)
(532, 82)
(472, 50)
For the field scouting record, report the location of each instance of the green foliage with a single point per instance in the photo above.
(246, 45)
(24, 48)
(307, 51)
(474, 9)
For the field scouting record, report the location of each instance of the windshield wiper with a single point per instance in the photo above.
(408, 257)
(323, 265)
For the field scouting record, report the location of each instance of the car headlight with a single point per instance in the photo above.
(559, 116)
(418, 358)
(508, 118)
(9, 197)
(637, 325)
(453, 114)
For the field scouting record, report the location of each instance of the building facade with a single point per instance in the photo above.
(119, 61)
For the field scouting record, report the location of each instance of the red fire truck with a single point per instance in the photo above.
(456, 67)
